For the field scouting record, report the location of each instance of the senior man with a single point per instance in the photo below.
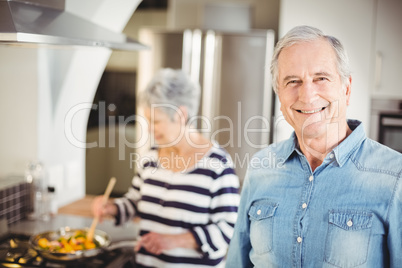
(335, 198)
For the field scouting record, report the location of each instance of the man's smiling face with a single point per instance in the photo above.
(310, 89)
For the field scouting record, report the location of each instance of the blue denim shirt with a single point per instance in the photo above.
(347, 213)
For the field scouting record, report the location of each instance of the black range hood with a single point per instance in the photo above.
(45, 22)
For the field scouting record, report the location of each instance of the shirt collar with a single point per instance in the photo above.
(288, 147)
(341, 152)
(351, 143)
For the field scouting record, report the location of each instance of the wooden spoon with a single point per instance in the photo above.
(109, 188)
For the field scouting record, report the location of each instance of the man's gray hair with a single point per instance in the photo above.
(169, 89)
(305, 34)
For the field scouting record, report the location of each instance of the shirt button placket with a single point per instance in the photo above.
(304, 206)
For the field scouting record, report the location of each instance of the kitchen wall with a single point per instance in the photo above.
(45, 99)
(18, 94)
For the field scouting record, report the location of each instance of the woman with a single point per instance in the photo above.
(185, 190)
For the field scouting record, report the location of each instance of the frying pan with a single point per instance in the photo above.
(101, 238)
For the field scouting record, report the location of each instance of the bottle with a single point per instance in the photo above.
(36, 177)
(52, 200)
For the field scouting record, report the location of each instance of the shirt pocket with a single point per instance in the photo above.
(261, 215)
(348, 238)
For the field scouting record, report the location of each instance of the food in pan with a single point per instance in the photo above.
(68, 244)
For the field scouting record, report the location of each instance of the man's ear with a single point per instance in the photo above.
(348, 90)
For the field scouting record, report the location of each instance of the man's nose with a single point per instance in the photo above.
(307, 92)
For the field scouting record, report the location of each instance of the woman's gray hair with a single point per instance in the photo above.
(305, 34)
(169, 89)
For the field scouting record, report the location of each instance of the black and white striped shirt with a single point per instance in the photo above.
(203, 200)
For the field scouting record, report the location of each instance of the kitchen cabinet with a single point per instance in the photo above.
(388, 49)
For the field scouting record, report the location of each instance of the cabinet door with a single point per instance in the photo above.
(388, 49)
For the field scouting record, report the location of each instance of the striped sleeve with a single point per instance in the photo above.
(127, 205)
(214, 237)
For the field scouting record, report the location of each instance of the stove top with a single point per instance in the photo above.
(15, 251)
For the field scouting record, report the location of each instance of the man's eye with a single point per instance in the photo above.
(292, 82)
(321, 78)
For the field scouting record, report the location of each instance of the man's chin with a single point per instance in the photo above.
(314, 130)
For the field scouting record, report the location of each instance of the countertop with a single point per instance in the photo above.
(80, 207)
(76, 215)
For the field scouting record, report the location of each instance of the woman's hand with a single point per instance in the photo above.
(156, 243)
(100, 210)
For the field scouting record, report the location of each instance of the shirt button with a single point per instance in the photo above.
(311, 178)
(299, 239)
(331, 156)
(349, 223)
(259, 212)
(304, 205)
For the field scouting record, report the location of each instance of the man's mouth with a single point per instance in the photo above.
(312, 111)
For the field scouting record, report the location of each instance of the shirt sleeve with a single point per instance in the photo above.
(127, 205)
(240, 246)
(213, 238)
(395, 226)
